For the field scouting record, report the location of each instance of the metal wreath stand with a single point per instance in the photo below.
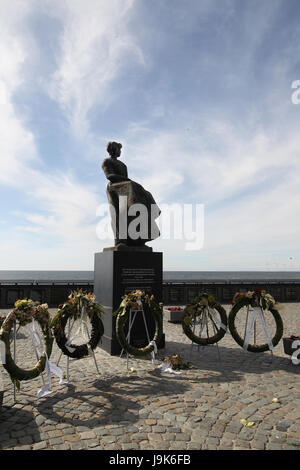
(14, 340)
(131, 322)
(257, 311)
(70, 328)
(204, 323)
(249, 329)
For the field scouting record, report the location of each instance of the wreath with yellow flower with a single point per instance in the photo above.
(138, 301)
(257, 298)
(24, 312)
(72, 310)
(202, 311)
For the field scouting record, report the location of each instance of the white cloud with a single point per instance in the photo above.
(198, 158)
(63, 207)
(96, 44)
(17, 143)
(264, 166)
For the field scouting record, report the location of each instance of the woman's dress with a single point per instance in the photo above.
(135, 194)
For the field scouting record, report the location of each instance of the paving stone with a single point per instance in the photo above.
(92, 443)
(40, 445)
(182, 437)
(56, 441)
(71, 438)
(131, 446)
(241, 444)
(294, 442)
(39, 420)
(246, 434)
(200, 409)
(87, 435)
(266, 426)
(159, 429)
(55, 433)
(25, 440)
(257, 445)
(68, 430)
(64, 446)
(108, 440)
(212, 441)
(80, 445)
(273, 446)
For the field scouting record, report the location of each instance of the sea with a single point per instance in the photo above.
(182, 276)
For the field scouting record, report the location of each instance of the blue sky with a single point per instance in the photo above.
(199, 93)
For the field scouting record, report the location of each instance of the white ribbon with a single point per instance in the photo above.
(153, 343)
(215, 318)
(166, 367)
(203, 321)
(81, 332)
(264, 327)
(257, 311)
(38, 343)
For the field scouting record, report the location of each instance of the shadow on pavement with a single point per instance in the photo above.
(230, 363)
(14, 424)
(110, 401)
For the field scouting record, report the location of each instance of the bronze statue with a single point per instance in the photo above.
(121, 187)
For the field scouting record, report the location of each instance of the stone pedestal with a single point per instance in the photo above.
(117, 273)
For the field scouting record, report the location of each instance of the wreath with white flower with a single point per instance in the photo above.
(202, 309)
(138, 301)
(257, 298)
(24, 312)
(72, 309)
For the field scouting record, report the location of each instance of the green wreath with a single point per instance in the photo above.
(135, 301)
(72, 310)
(255, 299)
(24, 312)
(196, 308)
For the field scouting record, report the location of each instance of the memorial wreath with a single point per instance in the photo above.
(79, 306)
(138, 301)
(258, 298)
(194, 312)
(25, 312)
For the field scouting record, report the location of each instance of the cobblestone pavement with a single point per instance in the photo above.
(148, 409)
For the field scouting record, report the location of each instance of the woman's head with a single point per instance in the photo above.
(114, 149)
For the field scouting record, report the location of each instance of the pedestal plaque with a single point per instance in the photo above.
(118, 273)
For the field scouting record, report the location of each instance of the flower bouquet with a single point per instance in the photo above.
(176, 362)
(256, 298)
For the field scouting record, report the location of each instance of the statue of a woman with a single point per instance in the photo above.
(123, 194)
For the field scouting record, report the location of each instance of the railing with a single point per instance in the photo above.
(174, 292)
